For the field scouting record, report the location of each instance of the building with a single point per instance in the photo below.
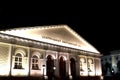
(46, 51)
(111, 63)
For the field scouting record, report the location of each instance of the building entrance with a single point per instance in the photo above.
(50, 65)
(73, 68)
(62, 67)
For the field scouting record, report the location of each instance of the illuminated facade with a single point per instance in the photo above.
(47, 50)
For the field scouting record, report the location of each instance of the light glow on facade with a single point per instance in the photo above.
(45, 51)
(4, 59)
(36, 34)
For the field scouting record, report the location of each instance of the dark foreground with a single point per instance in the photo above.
(78, 78)
(39, 78)
(112, 78)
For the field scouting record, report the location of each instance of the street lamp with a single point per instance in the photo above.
(43, 71)
(54, 68)
(112, 71)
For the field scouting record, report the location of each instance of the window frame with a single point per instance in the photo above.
(35, 62)
(18, 61)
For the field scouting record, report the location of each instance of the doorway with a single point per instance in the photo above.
(73, 68)
(62, 67)
(50, 65)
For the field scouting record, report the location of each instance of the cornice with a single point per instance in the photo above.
(47, 46)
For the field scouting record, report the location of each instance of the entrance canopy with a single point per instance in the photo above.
(55, 34)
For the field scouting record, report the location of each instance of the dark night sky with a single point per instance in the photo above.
(99, 26)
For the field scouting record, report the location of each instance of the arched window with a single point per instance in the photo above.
(35, 62)
(18, 61)
(82, 61)
(90, 62)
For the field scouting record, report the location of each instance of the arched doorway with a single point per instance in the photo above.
(50, 65)
(73, 68)
(62, 67)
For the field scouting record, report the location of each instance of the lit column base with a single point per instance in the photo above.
(70, 77)
(45, 77)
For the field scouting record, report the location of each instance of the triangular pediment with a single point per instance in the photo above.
(55, 34)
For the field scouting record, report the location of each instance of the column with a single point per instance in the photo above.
(10, 53)
(98, 70)
(70, 76)
(67, 66)
(77, 66)
(29, 60)
(57, 64)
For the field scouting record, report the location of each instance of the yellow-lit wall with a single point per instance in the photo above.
(39, 53)
(84, 66)
(98, 70)
(94, 67)
(4, 59)
(25, 61)
(7, 58)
